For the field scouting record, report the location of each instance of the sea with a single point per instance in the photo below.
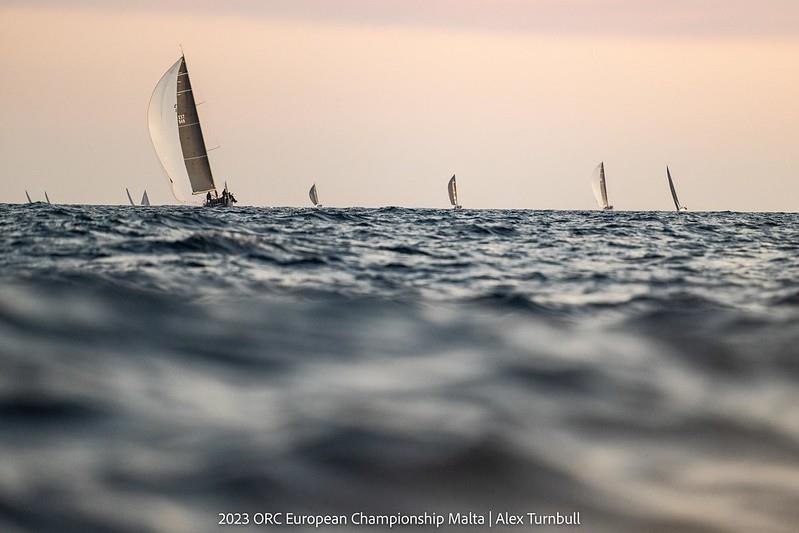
(171, 369)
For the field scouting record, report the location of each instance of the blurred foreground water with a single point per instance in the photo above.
(161, 365)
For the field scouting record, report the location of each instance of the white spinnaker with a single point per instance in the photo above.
(163, 124)
(452, 189)
(597, 185)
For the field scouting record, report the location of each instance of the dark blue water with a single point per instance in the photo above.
(161, 365)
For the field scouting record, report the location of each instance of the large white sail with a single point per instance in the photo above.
(313, 195)
(600, 187)
(452, 189)
(163, 125)
(29, 197)
(46, 197)
(145, 200)
(130, 198)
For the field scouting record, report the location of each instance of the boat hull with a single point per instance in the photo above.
(220, 202)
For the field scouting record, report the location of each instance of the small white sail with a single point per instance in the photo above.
(674, 192)
(145, 200)
(46, 197)
(29, 197)
(130, 199)
(452, 190)
(314, 196)
(599, 187)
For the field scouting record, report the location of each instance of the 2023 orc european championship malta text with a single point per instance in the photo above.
(389, 521)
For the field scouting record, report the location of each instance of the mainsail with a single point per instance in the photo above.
(29, 197)
(674, 191)
(599, 186)
(176, 134)
(46, 197)
(145, 200)
(130, 199)
(195, 156)
(452, 189)
(313, 195)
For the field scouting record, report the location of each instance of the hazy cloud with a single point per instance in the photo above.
(674, 17)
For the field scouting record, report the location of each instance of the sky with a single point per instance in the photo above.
(380, 102)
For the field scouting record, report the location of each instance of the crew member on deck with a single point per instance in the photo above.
(208, 198)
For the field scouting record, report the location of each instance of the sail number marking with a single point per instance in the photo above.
(181, 119)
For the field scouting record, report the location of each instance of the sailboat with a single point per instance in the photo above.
(674, 192)
(600, 187)
(28, 196)
(145, 200)
(452, 189)
(314, 196)
(177, 137)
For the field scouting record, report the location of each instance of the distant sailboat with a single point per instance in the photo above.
(28, 196)
(452, 189)
(145, 200)
(314, 196)
(674, 192)
(600, 187)
(177, 137)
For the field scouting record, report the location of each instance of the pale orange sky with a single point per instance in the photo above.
(380, 105)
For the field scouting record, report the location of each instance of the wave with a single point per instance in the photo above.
(390, 360)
